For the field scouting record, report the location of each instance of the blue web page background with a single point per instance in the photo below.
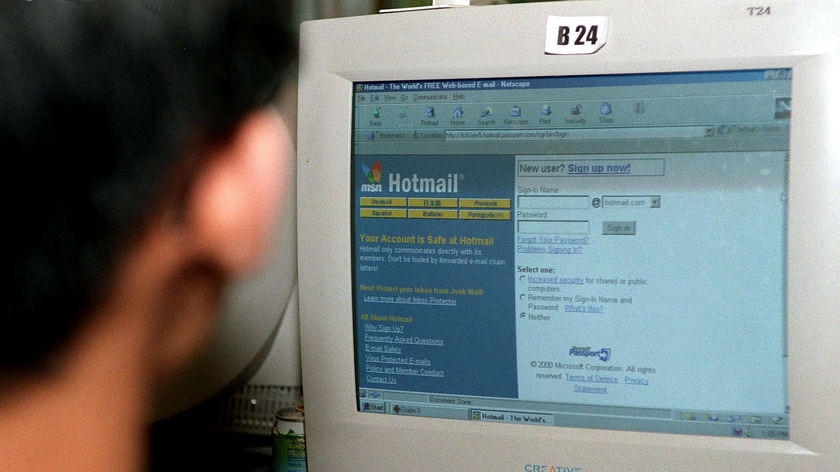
(478, 356)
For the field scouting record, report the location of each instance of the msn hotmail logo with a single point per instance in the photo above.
(413, 184)
(373, 174)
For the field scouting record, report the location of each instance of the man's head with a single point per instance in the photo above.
(129, 124)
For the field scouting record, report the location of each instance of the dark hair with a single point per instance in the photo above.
(98, 102)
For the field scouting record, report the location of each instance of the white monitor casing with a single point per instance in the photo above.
(508, 41)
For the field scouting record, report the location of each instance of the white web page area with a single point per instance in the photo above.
(652, 280)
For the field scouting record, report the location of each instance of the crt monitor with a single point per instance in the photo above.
(571, 236)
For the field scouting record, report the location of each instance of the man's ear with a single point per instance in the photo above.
(232, 199)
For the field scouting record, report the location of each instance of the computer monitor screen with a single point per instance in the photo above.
(571, 236)
(574, 251)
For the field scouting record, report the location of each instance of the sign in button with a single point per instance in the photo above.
(619, 228)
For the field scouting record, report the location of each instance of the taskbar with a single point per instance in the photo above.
(572, 415)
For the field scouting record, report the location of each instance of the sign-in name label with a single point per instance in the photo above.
(575, 34)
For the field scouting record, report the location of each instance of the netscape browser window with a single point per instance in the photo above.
(597, 252)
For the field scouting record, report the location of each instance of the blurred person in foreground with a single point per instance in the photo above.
(143, 159)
